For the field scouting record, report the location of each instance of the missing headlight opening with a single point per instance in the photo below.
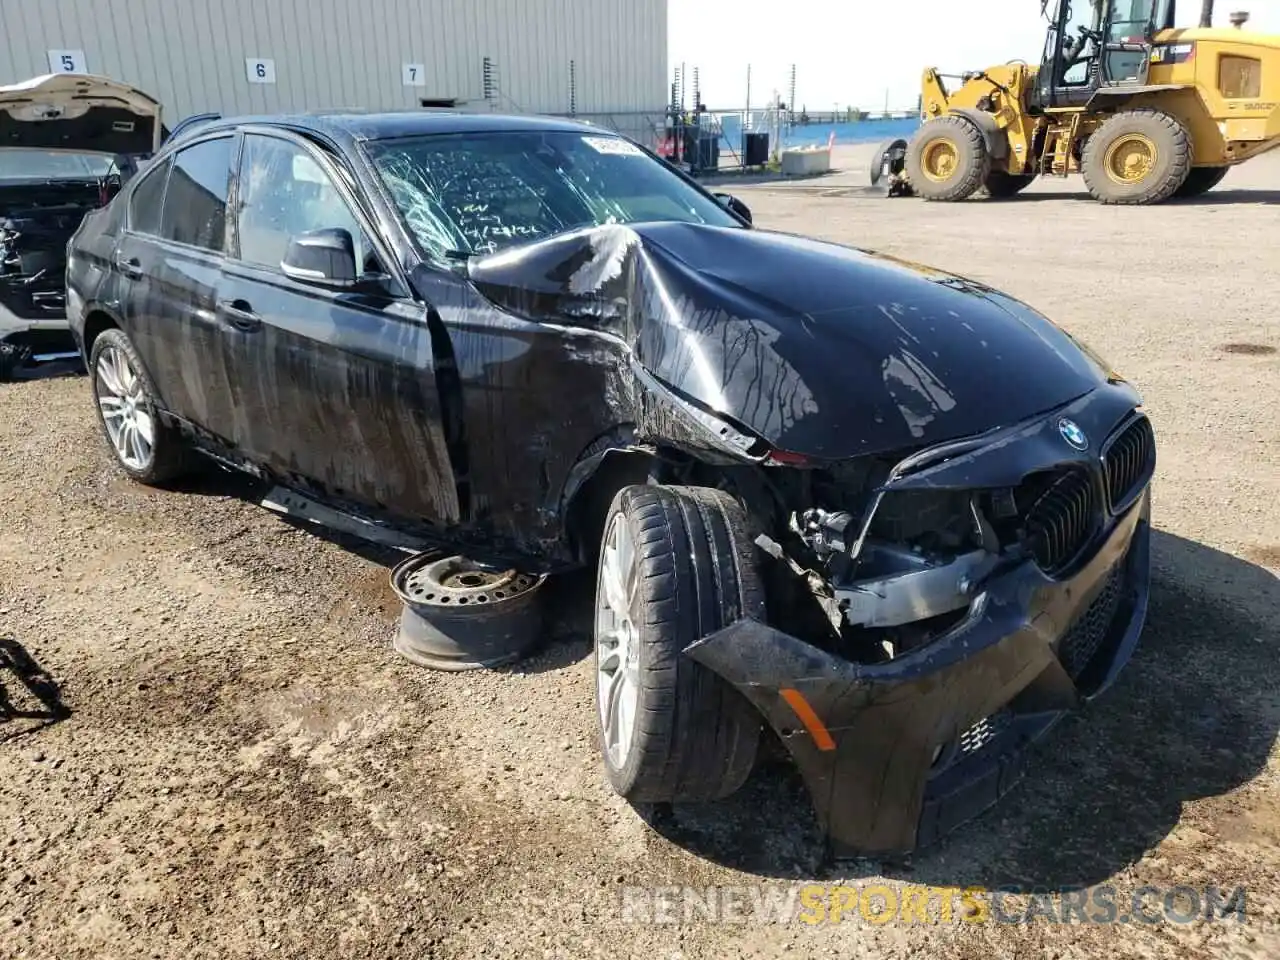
(882, 572)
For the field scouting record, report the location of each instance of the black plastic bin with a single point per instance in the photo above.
(755, 149)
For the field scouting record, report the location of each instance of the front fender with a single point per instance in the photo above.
(997, 142)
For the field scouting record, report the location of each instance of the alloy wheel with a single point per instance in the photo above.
(126, 410)
(617, 641)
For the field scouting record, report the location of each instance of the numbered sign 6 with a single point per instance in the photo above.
(260, 70)
(66, 61)
(413, 74)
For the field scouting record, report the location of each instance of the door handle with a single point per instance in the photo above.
(239, 314)
(131, 267)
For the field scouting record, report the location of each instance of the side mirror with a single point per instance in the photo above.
(734, 205)
(326, 258)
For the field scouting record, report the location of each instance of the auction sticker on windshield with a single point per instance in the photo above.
(613, 145)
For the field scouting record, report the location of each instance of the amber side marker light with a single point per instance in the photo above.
(817, 729)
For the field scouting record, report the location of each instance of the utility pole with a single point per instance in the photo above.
(1206, 13)
(791, 102)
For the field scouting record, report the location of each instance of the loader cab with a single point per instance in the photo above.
(1093, 45)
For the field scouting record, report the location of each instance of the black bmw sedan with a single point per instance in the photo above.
(894, 515)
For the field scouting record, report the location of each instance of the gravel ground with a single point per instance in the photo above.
(236, 765)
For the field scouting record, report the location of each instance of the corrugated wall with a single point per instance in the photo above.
(351, 53)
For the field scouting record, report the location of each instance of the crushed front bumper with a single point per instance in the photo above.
(897, 754)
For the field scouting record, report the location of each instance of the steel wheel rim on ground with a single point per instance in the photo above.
(940, 160)
(617, 641)
(1130, 159)
(126, 411)
(460, 614)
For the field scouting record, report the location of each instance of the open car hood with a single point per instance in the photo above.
(819, 349)
(87, 114)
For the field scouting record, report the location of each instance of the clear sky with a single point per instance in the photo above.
(853, 51)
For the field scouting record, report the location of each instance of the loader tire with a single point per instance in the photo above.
(947, 159)
(1201, 180)
(1137, 157)
(999, 184)
(681, 564)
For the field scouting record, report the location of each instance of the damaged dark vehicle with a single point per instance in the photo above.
(67, 144)
(892, 515)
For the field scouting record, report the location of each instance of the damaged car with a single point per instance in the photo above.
(891, 516)
(67, 143)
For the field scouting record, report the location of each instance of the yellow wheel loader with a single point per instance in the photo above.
(1145, 111)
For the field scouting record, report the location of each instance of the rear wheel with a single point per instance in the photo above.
(1000, 184)
(145, 447)
(1137, 157)
(1201, 180)
(676, 564)
(947, 159)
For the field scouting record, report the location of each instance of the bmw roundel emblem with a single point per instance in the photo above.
(1072, 433)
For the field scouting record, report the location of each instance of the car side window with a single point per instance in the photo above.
(285, 192)
(195, 202)
(148, 195)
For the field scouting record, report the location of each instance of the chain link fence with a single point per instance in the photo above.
(740, 138)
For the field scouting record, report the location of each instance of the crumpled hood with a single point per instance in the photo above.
(821, 349)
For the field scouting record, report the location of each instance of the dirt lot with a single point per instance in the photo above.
(241, 767)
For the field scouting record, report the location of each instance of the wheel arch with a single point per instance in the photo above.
(997, 142)
(608, 464)
(97, 318)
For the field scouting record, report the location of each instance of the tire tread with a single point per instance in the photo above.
(696, 736)
(974, 156)
(1177, 141)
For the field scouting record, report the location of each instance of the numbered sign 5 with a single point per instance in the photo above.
(259, 70)
(66, 61)
(413, 74)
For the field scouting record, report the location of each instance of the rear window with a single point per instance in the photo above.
(195, 200)
(19, 164)
(148, 195)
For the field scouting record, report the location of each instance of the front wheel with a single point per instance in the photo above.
(676, 564)
(947, 159)
(146, 449)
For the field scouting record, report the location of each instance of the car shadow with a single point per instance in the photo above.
(1220, 197)
(567, 598)
(50, 370)
(1193, 716)
(27, 693)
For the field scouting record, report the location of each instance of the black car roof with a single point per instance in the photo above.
(406, 123)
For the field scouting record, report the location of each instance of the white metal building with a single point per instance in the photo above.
(591, 57)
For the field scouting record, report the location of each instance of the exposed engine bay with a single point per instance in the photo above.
(869, 574)
(872, 558)
(36, 221)
(68, 141)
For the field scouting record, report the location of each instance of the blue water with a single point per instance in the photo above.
(863, 131)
